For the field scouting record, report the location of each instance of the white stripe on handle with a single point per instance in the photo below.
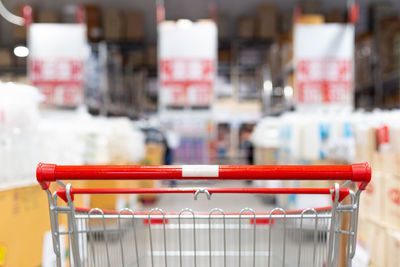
(200, 171)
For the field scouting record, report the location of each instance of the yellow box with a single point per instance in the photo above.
(312, 19)
(24, 220)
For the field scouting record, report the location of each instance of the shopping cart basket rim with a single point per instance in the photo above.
(359, 172)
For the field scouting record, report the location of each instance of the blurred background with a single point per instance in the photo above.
(197, 82)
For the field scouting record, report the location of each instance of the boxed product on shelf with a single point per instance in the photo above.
(245, 27)
(266, 22)
(224, 55)
(393, 247)
(335, 16)
(136, 58)
(389, 163)
(19, 32)
(112, 24)
(311, 6)
(133, 23)
(92, 16)
(396, 50)
(151, 56)
(378, 244)
(311, 19)
(365, 144)
(388, 28)
(223, 26)
(378, 11)
(5, 57)
(372, 199)
(364, 48)
(285, 22)
(391, 200)
(48, 16)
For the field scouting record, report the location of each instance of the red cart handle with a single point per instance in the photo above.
(361, 172)
(343, 191)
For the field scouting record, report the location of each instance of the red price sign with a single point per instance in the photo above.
(187, 81)
(59, 79)
(324, 80)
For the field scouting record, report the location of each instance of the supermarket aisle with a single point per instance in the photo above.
(227, 202)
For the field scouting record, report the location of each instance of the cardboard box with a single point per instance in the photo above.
(376, 162)
(5, 57)
(394, 138)
(223, 26)
(377, 242)
(372, 198)
(19, 32)
(266, 26)
(391, 201)
(312, 19)
(378, 11)
(224, 55)
(335, 16)
(387, 31)
(245, 27)
(134, 25)
(396, 49)
(362, 229)
(48, 16)
(265, 156)
(393, 248)
(389, 163)
(136, 58)
(112, 24)
(311, 6)
(363, 60)
(285, 22)
(92, 15)
(365, 144)
(151, 56)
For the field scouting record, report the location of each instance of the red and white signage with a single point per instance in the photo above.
(188, 81)
(187, 58)
(56, 62)
(324, 64)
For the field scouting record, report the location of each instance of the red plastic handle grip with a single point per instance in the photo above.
(360, 172)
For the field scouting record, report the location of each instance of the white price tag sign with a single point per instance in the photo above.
(324, 64)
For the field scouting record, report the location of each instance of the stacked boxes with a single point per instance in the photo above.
(245, 27)
(380, 203)
(266, 21)
(92, 16)
(112, 24)
(47, 16)
(133, 25)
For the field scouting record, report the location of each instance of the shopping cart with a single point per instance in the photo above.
(308, 237)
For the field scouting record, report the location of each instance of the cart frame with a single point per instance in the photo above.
(355, 173)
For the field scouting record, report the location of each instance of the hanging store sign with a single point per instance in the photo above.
(324, 64)
(187, 63)
(56, 62)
